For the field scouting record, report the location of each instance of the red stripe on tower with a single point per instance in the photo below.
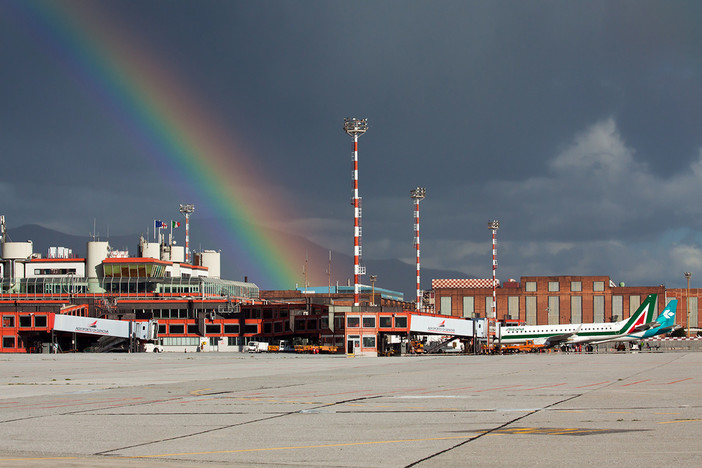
(355, 128)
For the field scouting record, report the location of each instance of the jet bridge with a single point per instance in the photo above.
(112, 331)
(438, 325)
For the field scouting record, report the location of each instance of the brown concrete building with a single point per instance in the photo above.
(542, 300)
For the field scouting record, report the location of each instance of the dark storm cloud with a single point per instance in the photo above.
(575, 123)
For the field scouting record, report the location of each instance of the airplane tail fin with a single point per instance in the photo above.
(667, 317)
(642, 315)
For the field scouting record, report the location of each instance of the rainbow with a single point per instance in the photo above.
(167, 121)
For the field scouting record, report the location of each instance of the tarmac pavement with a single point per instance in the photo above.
(217, 409)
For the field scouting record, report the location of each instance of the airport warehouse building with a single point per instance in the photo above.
(193, 309)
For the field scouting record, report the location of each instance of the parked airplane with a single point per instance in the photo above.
(664, 323)
(580, 333)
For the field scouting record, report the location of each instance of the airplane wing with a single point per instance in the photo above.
(556, 340)
(647, 326)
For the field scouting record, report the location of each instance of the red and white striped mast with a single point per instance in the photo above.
(187, 210)
(493, 225)
(417, 195)
(355, 128)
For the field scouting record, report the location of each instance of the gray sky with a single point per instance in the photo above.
(576, 124)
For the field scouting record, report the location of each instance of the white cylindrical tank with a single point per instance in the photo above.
(17, 250)
(150, 250)
(97, 252)
(177, 253)
(211, 260)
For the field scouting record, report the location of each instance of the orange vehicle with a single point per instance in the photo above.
(527, 347)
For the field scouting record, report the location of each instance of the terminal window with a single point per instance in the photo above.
(400, 322)
(385, 321)
(530, 286)
(576, 286)
(353, 322)
(598, 286)
(8, 321)
(368, 341)
(553, 286)
(369, 322)
(8, 341)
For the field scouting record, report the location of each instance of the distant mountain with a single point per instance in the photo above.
(392, 274)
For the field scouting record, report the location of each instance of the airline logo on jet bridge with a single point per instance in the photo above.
(441, 328)
(92, 328)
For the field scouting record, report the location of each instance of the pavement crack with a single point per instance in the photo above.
(494, 429)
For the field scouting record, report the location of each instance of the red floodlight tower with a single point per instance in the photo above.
(187, 210)
(417, 195)
(355, 128)
(493, 225)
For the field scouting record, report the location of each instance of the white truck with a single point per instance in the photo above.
(258, 347)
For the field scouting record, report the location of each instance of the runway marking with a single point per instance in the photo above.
(497, 388)
(298, 447)
(680, 421)
(197, 392)
(634, 383)
(676, 381)
(545, 386)
(592, 385)
(38, 458)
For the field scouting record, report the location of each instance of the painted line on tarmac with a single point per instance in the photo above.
(680, 421)
(592, 385)
(197, 392)
(297, 447)
(539, 388)
(634, 383)
(38, 458)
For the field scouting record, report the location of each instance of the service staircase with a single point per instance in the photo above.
(436, 346)
(108, 344)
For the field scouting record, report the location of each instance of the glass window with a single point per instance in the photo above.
(353, 322)
(553, 286)
(468, 306)
(576, 286)
(599, 309)
(513, 307)
(368, 321)
(25, 321)
(554, 311)
(177, 329)
(192, 329)
(368, 341)
(40, 321)
(385, 321)
(213, 329)
(8, 341)
(617, 307)
(251, 329)
(400, 322)
(488, 306)
(8, 321)
(576, 309)
(598, 286)
(445, 305)
(530, 286)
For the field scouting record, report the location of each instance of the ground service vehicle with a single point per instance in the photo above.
(258, 347)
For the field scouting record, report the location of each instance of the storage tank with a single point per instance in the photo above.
(211, 260)
(17, 250)
(150, 250)
(97, 252)
(177, 253)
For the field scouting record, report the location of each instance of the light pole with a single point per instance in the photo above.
(187, 210)
(355, 128)
(373, 279)
(493, 225)
(417, 195)
(687, 302)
